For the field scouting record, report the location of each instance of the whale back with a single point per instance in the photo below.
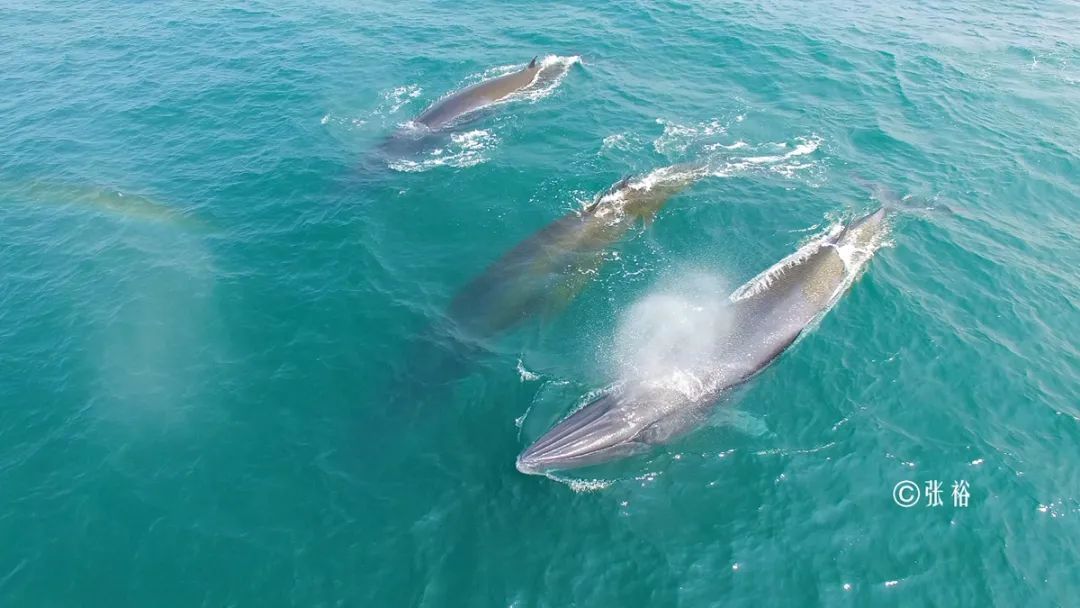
(773, 309)
(477, 96)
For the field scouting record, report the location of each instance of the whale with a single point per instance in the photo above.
(539, 276)
(543, 273)
(106, 200)
(470, 99)
(765, 317)
(450, 111)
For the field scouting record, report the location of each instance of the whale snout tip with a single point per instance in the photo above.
(591, 435)
(539, 459)
(527, 466)
(535, 460)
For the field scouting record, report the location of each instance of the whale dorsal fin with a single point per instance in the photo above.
(532, 64)
(619, 185)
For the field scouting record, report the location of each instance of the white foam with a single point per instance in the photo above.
(718, 146)
(709, 139)
(806, 146)
(612, 141)
(671, 173)
(779, 164)
(524, 374)
(620, 142)
(581, 486)
(398, 97)
(464, 150)
(344, 121)
(613, 204)
(678, 137)
(392, 100)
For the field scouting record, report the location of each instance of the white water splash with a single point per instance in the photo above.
(678, 137)
(620, 142)
(524, 374)
(735, 146)
(613, 200)
(780, 164)
(805, 146)
(399, 97)
(391, 101)
(464, 150)
(581, 486)
(726, 156)
(668, 339)
(613, 141)
(342, 121)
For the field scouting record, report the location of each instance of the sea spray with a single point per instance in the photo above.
(670, 337)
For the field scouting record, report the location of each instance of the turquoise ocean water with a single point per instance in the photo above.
(211, 298)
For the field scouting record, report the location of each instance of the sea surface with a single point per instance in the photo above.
(212, 292)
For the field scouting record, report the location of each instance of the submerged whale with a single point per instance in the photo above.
(114, 202)
(543, 273)
(767, 315)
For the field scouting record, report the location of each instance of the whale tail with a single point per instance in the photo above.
(894, 203)
(881, 193)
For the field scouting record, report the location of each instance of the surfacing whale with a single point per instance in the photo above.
(477, 96)
(452, 108)
(767, 315)
(544, 272)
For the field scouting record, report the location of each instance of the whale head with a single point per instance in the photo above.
(615, 426)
